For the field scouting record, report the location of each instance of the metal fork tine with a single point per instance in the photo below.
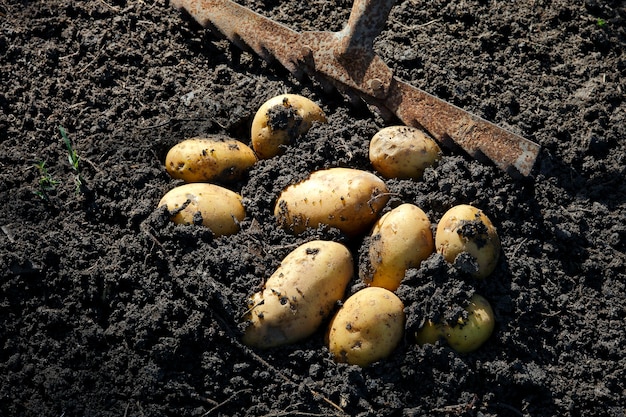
(277, 40)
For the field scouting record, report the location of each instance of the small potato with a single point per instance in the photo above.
(345, 198)
(401, 239)
(468, 335)
(402, 152)
(429, 333)
(367, 328)
(280, 120)
(219, 159)
(299, 295)
(213, 206)
(466, 229)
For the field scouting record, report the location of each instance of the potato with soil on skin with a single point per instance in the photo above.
(299, 295)
(345, 198)
(403, 152)
(367, 328)
(213, 206)
(219, 158)
(466, 335)
(469, 334)
(280, 120)
(401, 239)
(429, 333)
(467, 230)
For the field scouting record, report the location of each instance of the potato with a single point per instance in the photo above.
(219, 159)
(402, 152)
(367, 328)
(466, 229)
(280, 120)
(429, 333)
(466, 335)
(213, 206)
(345, 198)
(469, 334)
(401, 239)
(299, 295)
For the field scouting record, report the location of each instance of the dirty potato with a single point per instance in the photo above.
(213, 206)
(469, 334)
(280, 120)
(467, 230)
(299, 295)
(367, 328)
(403, 152)
(401, 239)
(219, 159)
(345, 198)
(429, 333)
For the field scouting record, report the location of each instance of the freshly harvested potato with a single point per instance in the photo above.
(345, 198)
(299, 295)
(429, 333)
(219, 158)
(403, 152)
(466, 229)
(213, 206)
(401, 239)
(367, 328)
(280, 120)
(468, 335)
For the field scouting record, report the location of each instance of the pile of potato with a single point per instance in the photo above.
(311, 281)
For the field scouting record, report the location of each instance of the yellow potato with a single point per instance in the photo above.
(345, 198)
(367, 328)
(466, 229)
(402, 152)
(299, 295)
(220, 159)
(280, 120)
(429, 333)
(401, 239)
(468, 335)
(219, 208)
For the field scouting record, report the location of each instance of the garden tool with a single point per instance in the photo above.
(346, 60)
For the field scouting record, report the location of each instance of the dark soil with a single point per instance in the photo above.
(109, 309)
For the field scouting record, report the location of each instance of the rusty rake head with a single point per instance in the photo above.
(346, 59)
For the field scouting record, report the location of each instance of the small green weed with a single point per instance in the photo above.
(601, 22)
(47, 183)
(73, 158)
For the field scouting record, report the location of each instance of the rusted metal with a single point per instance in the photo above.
(347, 60)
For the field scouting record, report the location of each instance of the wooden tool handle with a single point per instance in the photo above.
(367, 20)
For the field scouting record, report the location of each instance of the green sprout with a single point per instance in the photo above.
(73, 158)
(46, 182)
(601, 22)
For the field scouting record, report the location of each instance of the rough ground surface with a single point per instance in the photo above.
(108, 309)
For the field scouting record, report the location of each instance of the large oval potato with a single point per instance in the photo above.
(213, 206)
(218, 158)
(402, 152)
(367, 328)
(280, 120)
(469, 334)
(401, 239)
(466, 229)
(345, 198)
(299, 294)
